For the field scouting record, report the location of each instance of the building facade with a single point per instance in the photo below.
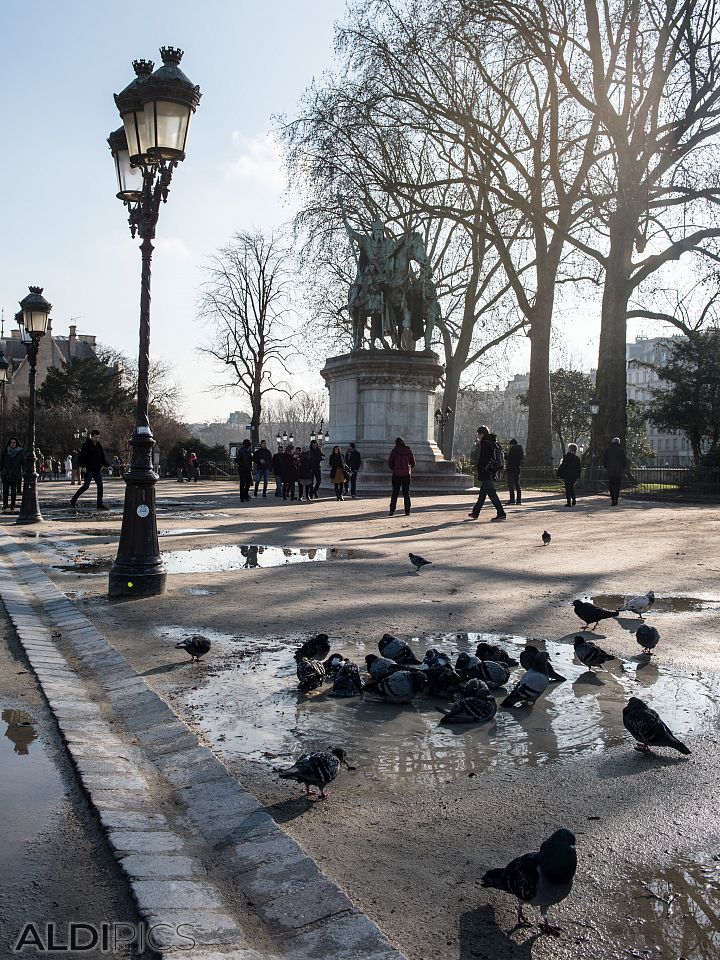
(52, 352)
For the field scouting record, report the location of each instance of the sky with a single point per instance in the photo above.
(64, 229)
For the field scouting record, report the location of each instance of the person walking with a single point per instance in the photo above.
(615, 462)
(489, 461)
(180, 464)
(353, 461)
(11, 469)
(276, 464)
(193, 467)
(244, 461)
(68, 467)
(513, 462)
(336, 462)
(92, 458)
(305, 475)
(288, 473)
(75, 461)
(401, 462)
(56, 466)
(262, 458)
(569, 473)
(317, 457)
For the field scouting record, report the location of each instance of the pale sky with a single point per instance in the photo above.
(63, 227)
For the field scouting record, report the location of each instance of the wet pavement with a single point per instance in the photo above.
(663, 604)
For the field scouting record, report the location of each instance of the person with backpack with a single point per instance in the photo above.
(92, 458)
(569, 473)
(262, 458)
(401, 461)
(244, 462)
(513, 462)
(490, 462)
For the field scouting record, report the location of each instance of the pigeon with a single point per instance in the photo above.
(379, 667)
(527, 658)
(317, 769)
(648, 637)
(590, 653)
(402, 686)
(541, 879)
(546, 538)
(494, 674)
(347, 681)
(396, 649)
(531, 685)
(640, 605)
(489, 651)
(197, 646)
(591, 614)
(317, 648)
(418, 562)
(477, 709)
(443, 681)
(474, 687)
(435, 658)
(310, 674)
(333, 664)
(648, 729)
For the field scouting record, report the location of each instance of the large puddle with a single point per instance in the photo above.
(245, 700)
(677, 604)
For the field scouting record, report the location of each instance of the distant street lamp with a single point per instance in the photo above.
(4, 367)
(33, 323)
(156, 109)
(441, 419)
(592, 484)
(278, 439)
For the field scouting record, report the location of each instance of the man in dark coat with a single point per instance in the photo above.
(92, 458)
(401, 462)
(486, 475)
(317, 458)
(262, 458)
(615, 462)
(277, 469)
(513, 462)
(180, 458)
(353, 461)
(244, 463)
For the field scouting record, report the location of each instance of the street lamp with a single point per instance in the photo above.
(156, 109)
(4, 367)
(33, 323)
(441, 419)
(593, 481)
(278, 439)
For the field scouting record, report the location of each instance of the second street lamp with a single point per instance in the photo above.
(156, 109)
(33, 322)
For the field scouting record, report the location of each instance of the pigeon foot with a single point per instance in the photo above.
(643, 748)
(522, 920)
(551, 928)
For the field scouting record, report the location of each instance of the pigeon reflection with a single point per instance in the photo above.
(20, 729)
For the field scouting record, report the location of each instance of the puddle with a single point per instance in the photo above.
(253, 709)
(677, 604)
(680, 909)
(237, 557)
(30, 791)
(181, 531)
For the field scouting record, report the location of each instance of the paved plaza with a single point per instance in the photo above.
(390, 864)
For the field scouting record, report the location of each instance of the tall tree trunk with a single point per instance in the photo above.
(453, 369)
(538, 451)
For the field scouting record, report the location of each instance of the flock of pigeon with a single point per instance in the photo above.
(541, 878)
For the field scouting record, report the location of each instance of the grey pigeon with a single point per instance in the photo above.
(443, 681)
(531, 685)
(589, 613)
(310, 674)
(468, 666)
(590, 653)
(477, 709)
(541, 879)
(379, 667)
(490, 651)
(527, 658)
(546, 538)
(317, 769)
(333, 664)
(316, 648)
(402, 686)
(435, 658)
(197, 646)
(494, 674)
(648, 637)
(347, 681)
(396, 649)
(418, 562)
(641, 604)
(475, 687)
(648, 729)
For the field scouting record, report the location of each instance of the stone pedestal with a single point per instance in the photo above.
(377, 395)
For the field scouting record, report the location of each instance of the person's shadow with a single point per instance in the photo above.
(481, 938)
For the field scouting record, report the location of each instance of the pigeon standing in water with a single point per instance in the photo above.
(640, 605)
(443, 681)
(197, 646)
(317, 648)
(435, 658)
(490, 651)
(310, 674)
(546, 538)
(527, 658)
(379, 667)
(541, 879)
(590, 653)
(494, 674)
(648, 729)
(333, 664)
(317, 770)
(396, 649)
(648, 637)
(531, 685)
(402, 686)
(476, 709)
(347, 681)
(589, 613)
(418, 562)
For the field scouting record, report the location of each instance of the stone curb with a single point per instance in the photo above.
(306, 914)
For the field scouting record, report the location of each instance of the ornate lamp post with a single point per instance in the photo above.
(33, 323)
(4, 367)
(593, 481)
(156, 109)
(441, 419)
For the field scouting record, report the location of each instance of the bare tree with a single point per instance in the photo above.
(247, 303)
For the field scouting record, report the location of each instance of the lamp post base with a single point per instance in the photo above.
(29, 506)
(128, 580)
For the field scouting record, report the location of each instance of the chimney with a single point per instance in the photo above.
(72, 341)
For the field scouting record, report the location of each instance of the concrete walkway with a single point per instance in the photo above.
(207, 865)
